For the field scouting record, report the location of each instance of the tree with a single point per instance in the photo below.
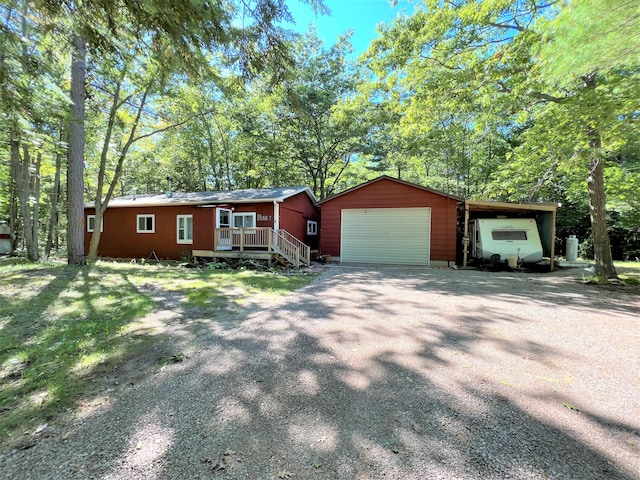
(188, 30)
(142, 74)
(75, 155)
(604, 36)
(600, 34)
(486, 62)
(30, 99)
(313, 114)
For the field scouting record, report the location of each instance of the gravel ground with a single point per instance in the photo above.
(375, 372)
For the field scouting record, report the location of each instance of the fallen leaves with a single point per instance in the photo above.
(215, 466)
(221, 464)
(178, 357)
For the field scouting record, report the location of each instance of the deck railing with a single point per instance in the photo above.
(261, 238)
(287, 249)
(305, 250)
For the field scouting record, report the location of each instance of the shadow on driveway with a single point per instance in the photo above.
(383, 373)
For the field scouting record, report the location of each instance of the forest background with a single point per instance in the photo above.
(511, 100)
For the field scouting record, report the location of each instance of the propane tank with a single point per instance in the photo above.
(572, 249)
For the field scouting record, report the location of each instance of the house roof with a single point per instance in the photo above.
(252, 195)
(386, 177)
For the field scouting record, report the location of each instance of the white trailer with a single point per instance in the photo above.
(513, 241)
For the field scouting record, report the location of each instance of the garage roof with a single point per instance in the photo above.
(386, 177)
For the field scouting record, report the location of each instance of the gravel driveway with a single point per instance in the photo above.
(381, 373)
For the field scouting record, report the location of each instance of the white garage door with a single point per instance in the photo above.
(386, 235)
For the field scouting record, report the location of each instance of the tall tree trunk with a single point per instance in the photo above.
(75, 166)
(55, 198)
(13, 209)
(27, 188)
(34, 204)
(597, 200)
(22, 195)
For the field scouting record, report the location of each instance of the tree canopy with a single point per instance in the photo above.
(496, 99)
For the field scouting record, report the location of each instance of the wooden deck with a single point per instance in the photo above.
(259, 243)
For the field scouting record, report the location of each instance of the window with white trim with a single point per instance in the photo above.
(244, 220)
(146, 223)
(184, 224)
(312, 227)
(91, 223)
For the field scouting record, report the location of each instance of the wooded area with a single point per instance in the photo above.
(499, 99)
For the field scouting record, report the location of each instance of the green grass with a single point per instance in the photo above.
(62, 327)
(629, 272)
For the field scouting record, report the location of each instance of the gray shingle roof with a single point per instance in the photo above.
(252, 195)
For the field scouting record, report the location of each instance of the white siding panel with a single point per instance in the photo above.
(386, 235)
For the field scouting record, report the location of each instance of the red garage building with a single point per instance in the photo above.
(390, 221)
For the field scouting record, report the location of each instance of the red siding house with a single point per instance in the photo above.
(390, 221)
(172, 226)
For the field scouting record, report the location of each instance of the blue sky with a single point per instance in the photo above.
(361, 16)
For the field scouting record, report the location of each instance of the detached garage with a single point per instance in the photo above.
(390, 221)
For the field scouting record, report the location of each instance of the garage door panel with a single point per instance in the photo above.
(386, 235)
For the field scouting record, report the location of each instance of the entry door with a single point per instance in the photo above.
(223, 221)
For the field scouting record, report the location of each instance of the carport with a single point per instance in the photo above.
(544, 213)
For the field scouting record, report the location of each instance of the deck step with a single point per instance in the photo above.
(251, 255)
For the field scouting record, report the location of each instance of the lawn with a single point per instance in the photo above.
(63, 328)
(629, 272)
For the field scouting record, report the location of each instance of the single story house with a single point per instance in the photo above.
(390, 221)
(211, 224)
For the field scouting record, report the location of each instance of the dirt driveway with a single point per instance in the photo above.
(381, 373)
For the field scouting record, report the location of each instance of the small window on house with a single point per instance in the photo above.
(91, 223)
(312, 227)
(509, 234)
(185, 228)
(244, 220)
(146, 224)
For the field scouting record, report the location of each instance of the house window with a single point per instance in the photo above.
(312, 227)
(146, 224)
(185, 228)
(244, 220)
(91, 223)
